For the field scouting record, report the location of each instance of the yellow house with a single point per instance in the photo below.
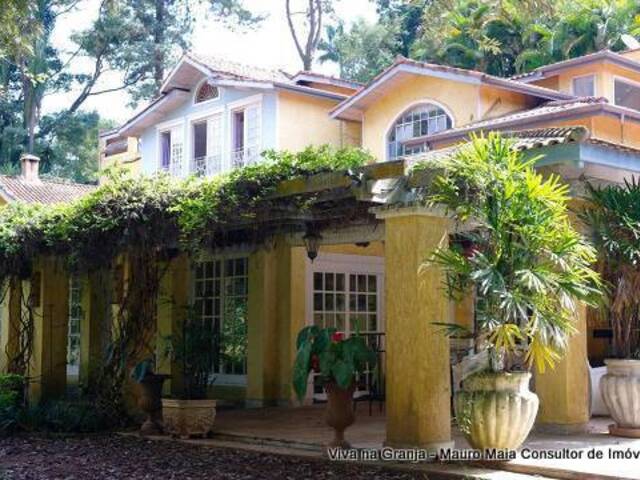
(213, 116)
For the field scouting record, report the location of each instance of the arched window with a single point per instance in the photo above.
(421, 120)
(206, 92)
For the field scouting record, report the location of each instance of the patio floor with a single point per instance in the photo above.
(303, 429)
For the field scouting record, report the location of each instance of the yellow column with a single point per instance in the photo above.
(564, 391)
(276, 313)
(173, 307)
(291, 314)
(10, 330)
(95, 324)
(50, 296)
(262, 349)
(417, 359)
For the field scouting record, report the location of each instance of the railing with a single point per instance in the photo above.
(174, 169)
(242, 157)
(205, 166)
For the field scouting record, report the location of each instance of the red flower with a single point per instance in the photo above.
(315, 363)
(337, 337)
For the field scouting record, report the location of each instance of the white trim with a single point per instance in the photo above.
(241, 83)
(613, 90)
(595, 83)
(243, 102)
(222, 380)
(195, 116)
(198, 87)
(424, 101)
(169, 124)
(185, 59)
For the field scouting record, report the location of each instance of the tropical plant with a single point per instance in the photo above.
(193, 350)
(327, 352)
(613, 215)
(527, 263)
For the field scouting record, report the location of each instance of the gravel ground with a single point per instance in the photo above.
(128, 457)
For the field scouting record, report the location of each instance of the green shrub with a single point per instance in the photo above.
(67, 416)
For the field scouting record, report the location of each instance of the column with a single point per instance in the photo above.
(565, 390)
(262, 352)
(50, 300)
(95, 324)
(173, 307)
(417, 362)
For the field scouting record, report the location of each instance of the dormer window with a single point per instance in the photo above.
(419, 121)
(206, 92)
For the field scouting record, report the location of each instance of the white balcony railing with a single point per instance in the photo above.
(205, 166)
(244, 156)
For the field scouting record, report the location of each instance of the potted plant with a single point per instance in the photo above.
(149, 395)
(338, 361)
(613, 213)
(192, 350)
(528, 267)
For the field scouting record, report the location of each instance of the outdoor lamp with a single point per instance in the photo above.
(312, 243)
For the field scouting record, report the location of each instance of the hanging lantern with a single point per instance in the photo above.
(312, 244)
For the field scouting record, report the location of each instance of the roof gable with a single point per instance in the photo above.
(351, 107)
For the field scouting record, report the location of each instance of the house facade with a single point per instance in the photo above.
(213, 116)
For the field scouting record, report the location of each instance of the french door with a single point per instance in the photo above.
(346, 292)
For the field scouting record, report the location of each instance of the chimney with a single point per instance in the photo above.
(29, 167)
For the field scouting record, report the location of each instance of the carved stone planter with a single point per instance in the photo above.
(339, 413)
(620, 389)
(186, 418)
(496, 410)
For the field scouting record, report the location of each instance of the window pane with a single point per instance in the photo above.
(627, 95)
(584, 86)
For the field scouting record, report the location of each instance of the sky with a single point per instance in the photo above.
(269, 45)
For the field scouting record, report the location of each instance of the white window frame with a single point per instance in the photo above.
(72, 375)
(243, 105)
(206, 116)
(169, 127)
(225, 380)
(206, 102)
(349, 265)
(623, 80)
(405, 109)
(578, 77)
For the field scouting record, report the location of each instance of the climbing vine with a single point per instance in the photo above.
(147, 219)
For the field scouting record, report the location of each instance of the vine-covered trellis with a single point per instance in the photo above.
(146, 220)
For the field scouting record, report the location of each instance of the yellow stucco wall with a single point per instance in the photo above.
(305, 120)
(130, 160)
(464, 102)
(605, 73)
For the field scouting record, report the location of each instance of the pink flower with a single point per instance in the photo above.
(337, 337)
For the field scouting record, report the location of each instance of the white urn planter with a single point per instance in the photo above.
(186, 418)
(496, 410)
(620, 389)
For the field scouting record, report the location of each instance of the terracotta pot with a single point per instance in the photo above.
(620, 389)
(496, 410)
(184, 418)
(149, 401)
(339, 413)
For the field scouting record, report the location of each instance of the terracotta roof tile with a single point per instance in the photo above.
(239, 71)
(45, 191)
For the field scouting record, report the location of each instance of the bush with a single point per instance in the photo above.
(67, 416)
(11, 402)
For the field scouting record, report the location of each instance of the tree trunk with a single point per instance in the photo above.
(158, 40)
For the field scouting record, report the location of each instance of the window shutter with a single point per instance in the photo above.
(177, 149)
(214, 147)
(253, 132)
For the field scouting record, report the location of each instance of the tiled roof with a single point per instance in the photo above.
(600, 55)
(552, 108)
(522, 140)
(16, 188)
(239, 71)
